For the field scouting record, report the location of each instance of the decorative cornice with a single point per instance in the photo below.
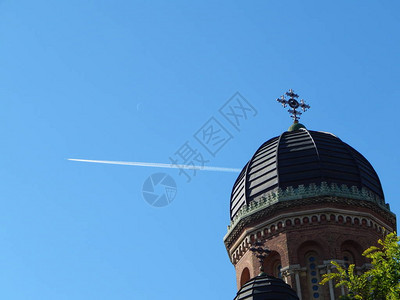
(301, 192)
(237, 247)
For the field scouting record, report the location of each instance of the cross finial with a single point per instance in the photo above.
(260, 252)
(294, 104)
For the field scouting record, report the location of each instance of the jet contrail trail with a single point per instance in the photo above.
(157, 165)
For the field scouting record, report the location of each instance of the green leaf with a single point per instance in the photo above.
(381, 282)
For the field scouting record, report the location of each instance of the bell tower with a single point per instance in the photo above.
(309, 198)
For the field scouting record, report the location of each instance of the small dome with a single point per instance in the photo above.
(296, 126)
(264, 287)
(302, 157)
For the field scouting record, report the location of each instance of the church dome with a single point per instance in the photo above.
(300, 158)
(264, 287)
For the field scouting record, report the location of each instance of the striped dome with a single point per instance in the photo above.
(302, 157)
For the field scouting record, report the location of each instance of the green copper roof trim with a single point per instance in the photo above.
(296, 126)
(301, 192)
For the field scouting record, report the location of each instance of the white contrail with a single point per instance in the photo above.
(158, 165)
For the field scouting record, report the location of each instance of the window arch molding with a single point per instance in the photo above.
(352, 250)
(306, 247)
(273, 264)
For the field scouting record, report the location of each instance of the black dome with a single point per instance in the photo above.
(264, 287)
(302, 157)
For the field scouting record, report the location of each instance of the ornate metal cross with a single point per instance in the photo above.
(260, 252)
(294, 104)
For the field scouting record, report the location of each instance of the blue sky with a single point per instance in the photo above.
(135, 80)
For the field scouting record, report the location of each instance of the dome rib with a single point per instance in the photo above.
(246, 181)
(238, 192)
(316, 150)
(358, 167)
(364, 175)
(277, 155)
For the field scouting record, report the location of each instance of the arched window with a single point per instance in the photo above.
(351, 253)
(245, 276)
(276, 270)
(313, 275)
(273, 265)
(348, 258)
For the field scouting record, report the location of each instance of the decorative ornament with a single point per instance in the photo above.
(294, 104)
(260, 252)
